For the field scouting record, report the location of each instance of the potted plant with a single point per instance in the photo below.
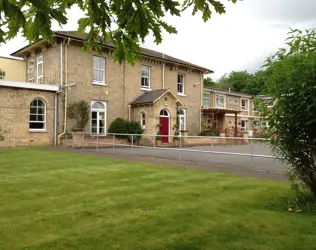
(176, 138)
(158, 139)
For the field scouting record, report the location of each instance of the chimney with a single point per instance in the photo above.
(228, 89)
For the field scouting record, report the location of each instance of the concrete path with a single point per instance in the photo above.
(242, 165)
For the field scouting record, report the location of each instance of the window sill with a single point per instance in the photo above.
(38, 130)
(179, 94)
(145, 89)
(99, 83)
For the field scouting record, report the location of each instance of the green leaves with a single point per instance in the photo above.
(125, 22)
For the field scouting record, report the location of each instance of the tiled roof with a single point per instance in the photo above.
(149, 97)
(145, 52)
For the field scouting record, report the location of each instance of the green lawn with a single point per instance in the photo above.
(53, 200)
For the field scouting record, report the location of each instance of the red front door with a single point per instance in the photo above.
(164, 128)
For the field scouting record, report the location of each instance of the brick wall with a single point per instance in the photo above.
(14, 118)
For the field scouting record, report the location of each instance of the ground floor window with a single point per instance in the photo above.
(37, 119)
(98, 118)
(244, 125)
(142, 120)
(182, 119)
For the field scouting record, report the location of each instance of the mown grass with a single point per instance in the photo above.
(54, 200)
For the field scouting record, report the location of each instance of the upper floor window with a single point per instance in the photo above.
(220, 101)
(145, 77)
(37, 115)
(142, 120)
(39, 68)
(181, 84)
(30, 70)
(244, 104)
(206, 100)
(98, 70)
(2, 74)
(236, 101)
(230, 100)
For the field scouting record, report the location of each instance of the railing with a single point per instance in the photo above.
(186, 148)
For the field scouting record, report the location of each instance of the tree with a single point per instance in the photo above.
(292, 86)
(209, 83)
(239, 80)
(79, 111)
(124, 22)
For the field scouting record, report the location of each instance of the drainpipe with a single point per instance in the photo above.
(163, 76)
(61, 82)
(55, 119)
(129, 113)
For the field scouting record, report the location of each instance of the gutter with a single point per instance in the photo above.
(61, 85)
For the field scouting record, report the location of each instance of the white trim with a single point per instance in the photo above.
(28, 85)
(184, 118)
(37, 66)
(147, 77)
(228, 93)
(169, 121)
(169, 91)
(181, 83)
(246, 116)
(181, 94)
(248, 104)
(44, 115)
(224, 101)
(99, 69)
(141, 119)
(144, 89)
(105, 117)
(99, 83)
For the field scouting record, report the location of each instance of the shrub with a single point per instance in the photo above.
(158, 137)
(118, 126)
(292, 119)
(176, 136)
(80, 112)
(211, 132)
(134, 127)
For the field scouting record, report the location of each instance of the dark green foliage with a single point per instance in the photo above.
(118, 126)
(124, 127)
(176, 136)
(80, 112)
(135, 128)
(158, 136)
(210, 132)
(292, 120)
(133, 20)
(209, 83)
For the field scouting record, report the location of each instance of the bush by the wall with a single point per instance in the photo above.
(118, 126)
(79, 111)
(211, 132)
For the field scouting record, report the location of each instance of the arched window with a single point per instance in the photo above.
(37, 115)
(142, 120)
(164, 112)
(98, 121)
(182, 119)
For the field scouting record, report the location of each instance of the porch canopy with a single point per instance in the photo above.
(223, 111)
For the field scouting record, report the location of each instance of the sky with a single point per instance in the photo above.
(240, 39)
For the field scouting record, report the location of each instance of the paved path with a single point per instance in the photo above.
(241, 165)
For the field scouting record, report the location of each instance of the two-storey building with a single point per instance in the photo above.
(230, 111)
(154, 91)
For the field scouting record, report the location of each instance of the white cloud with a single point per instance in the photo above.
(238, 40)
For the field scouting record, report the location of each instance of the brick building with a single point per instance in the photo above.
(154, 91)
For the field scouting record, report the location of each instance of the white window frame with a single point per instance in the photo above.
(180, 83)
(37, 114)
(97, 82)
(246, 108)
(230, 100)
(38, 63)
(142, 117)
(245, 128)
(217, 104)
(208, 98)
(235, 101)
(145, 77)
(182, 119)
(98, 112)
(2, 74)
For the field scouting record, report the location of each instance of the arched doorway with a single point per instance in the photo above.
(164, 125)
